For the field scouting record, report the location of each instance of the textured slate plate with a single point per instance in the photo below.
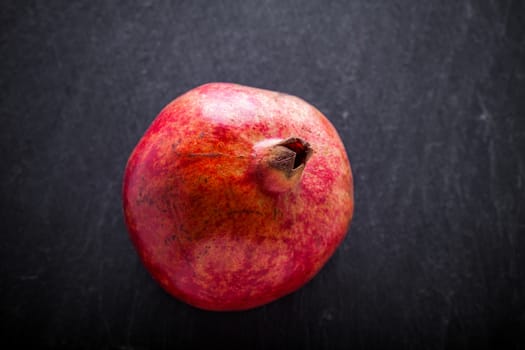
(428, 97)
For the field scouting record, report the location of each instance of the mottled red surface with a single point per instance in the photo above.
(201, 220)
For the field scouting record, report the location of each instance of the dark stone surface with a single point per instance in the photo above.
(428, 98)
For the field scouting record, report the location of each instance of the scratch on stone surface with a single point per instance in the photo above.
(487, 116)
(28, 277)
(468, 9)
(327, 315)
(505, 22)
(100, 289)
(521, 174)
(56, 54)
(132, 316)
(103, 317)
(484, 111)
(430, 145)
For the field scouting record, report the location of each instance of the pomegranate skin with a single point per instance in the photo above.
(236, 196)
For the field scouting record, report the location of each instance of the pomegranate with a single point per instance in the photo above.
(236, 196)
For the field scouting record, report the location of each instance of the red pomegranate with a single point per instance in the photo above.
(236, 196)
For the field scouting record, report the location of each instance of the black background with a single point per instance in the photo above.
(428, 97)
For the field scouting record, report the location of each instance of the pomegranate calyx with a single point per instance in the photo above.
(291, 155)
(281, 163)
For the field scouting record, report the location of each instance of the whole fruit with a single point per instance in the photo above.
(236, 196)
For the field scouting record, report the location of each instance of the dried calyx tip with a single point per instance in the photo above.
(301, 148)
(290, 156)
(280, 163)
